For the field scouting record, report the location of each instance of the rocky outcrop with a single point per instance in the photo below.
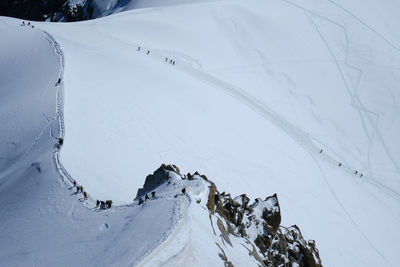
(161, 175)
(259, 222)
(52, 10)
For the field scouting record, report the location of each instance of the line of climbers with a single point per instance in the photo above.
(108, 203)
(146, 197)
(340, 165)
(172, 62)
(79, 188)
(27, 24)
(99, 203)
(103, 204)
(153, 195)
(60, 143)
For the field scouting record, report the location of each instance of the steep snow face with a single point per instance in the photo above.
(258, 89)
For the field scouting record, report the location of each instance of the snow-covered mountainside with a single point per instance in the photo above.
(297, 98)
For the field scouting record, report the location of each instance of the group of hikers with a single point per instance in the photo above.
(99, 203)
(79, 189)
(340, 165)
(27, 24)
(103, 204)
(60, 143)
(146, 197)
(172, 62)
(153, 195)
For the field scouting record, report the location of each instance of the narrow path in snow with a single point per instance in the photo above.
(59, 118)
(193, 68)
(364, 112)
(180, 209)
(74, 214)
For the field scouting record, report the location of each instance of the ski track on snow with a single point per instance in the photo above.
(366, 25)
(59, 118)
(356, 102)
(341, 205)
(194, 68)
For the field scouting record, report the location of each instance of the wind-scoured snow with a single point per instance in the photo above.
(257, 90)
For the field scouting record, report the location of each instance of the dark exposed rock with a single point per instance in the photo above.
(53, 10)
(160, 176)
(279, 245)
(273, 216)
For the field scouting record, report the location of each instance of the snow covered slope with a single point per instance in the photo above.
(43, 221)
(258, 89)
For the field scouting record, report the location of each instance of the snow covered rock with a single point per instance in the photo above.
(160, 176)
(260, 223)
(234, 222)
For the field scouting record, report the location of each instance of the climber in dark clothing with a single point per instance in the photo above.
(153, 194)
(74, 183)
(85, 195)
(320, 151)
(140, 201)
(77, 189)
(340, 164)
(138, 49)
(355, 172)
(60, 143)
(148, 52)
(108, 204)
(58, 82)
(184, 191)
(97, 203)
(146, 197)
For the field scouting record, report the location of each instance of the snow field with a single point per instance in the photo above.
(257, 90)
